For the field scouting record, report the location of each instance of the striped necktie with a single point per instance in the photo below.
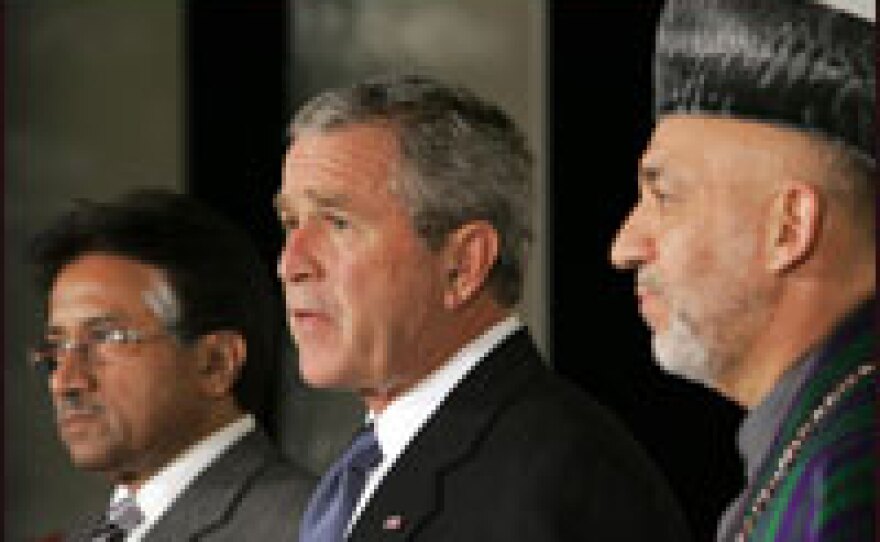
(121, 517)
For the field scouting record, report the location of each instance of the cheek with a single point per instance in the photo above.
(690, 251)
(376, 283)
(386, 300)
(706, 267)
(153, 400)
(132, 404)
(685, 256)
(689, 269)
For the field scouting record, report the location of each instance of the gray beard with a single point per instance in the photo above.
(679, 351)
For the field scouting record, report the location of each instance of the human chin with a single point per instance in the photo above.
(91, 447)
(680, 351)
(321, 366)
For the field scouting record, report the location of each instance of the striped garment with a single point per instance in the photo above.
(829, 493)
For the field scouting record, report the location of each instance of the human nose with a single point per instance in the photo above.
(632, 246)
(72, 370)
(297, 262)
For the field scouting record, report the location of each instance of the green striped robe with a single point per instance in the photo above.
(829, 493)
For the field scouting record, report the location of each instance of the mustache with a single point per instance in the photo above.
(646, 281)
(73, 404)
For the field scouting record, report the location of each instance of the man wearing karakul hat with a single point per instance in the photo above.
(753, 246)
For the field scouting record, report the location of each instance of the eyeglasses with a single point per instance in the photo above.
(98, 343)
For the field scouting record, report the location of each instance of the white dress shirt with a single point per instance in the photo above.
(158, 493)
(401, 420)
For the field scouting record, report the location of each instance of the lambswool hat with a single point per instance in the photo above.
(796, 63)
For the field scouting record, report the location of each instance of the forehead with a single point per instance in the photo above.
(97, 284)
(705, 138)
(356, 158)
(718, 150)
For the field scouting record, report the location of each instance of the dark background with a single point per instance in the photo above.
(599, 119)
(600, 103)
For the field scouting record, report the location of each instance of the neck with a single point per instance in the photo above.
(460, 328)
(805, 315)
(148, 465)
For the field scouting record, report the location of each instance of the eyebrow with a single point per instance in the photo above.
(92, 321)
(321, 200)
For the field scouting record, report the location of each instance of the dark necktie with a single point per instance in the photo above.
(332, 504)
(121, 517)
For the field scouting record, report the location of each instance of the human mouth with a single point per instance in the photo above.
(306, 311)
(650, 306)
(305, 314)
(644, 294)
(307, 319)
(72, 421)
(651, 302)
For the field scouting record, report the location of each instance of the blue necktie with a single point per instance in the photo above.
(332, 504)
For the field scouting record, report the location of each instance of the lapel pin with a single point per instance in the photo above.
(393, 523)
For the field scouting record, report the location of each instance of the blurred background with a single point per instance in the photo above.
(102, 96)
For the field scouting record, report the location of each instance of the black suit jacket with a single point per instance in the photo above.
(515, 453)
(248, 493)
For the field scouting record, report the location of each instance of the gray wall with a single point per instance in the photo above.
(93, 108)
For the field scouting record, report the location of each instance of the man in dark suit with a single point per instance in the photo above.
(407, 212)
(161, 353)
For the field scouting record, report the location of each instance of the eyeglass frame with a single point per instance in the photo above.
(45, 363)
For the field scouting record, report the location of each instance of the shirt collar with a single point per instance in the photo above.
(399, 422)
(759, 429)
(157, 494)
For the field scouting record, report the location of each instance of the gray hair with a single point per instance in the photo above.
(463, 160)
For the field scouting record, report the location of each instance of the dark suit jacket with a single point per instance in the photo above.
(515, 453)
(248, 493)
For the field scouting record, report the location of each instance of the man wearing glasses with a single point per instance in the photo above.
(160, 354)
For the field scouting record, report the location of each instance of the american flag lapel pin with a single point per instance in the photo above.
(393, 523)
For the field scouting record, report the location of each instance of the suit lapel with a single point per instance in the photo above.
(407, 495)
(205, 504)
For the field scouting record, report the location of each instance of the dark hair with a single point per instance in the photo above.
(212, 268)
(464, 159)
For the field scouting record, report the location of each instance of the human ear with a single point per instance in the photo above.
(471, 253)
(794, 225)
(220, 357)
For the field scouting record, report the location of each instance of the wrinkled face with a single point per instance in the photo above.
(362, 289)
(122, 408)
(693, 239)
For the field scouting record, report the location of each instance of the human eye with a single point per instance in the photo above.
(655, 186)
(288, 223)
(661, 196)
(337, 221)
(113, 335)
(657, 193)
(43, 356)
